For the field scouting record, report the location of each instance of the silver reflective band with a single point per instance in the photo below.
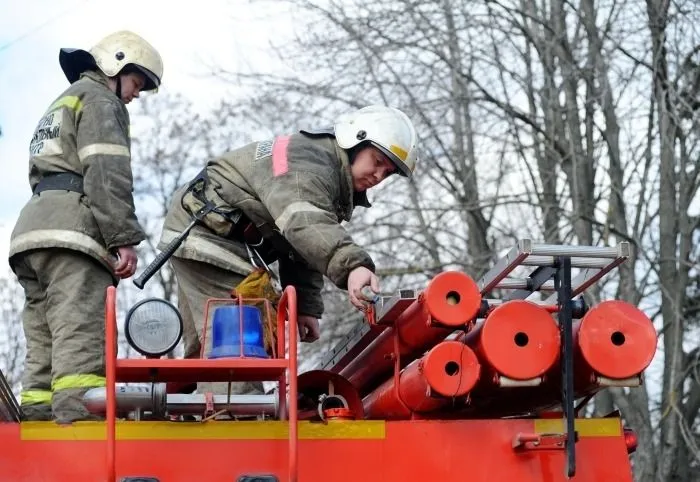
(47, 238)
(295, 208)
(103, 149)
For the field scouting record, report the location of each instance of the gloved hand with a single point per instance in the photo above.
(358, 279)
(309, 330)
(125, 265)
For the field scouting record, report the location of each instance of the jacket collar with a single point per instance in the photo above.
(358, 198)
(96, 76)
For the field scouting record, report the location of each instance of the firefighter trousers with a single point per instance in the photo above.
(198, 281)
(63, 320)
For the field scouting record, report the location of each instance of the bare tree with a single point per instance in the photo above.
(12, 344)
(565, 121)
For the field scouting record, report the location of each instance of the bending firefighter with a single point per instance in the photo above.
(76, 235)
(284, 199)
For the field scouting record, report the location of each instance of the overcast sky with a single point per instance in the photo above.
(230, 33)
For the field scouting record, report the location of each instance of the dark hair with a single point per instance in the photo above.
(352, 152)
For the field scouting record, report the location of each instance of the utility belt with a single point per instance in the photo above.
(60, 181)
(232, 223)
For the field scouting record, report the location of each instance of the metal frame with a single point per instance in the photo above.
(10, 410)
(562, 281)
(282, 369)
(596, 262)
(552, 273)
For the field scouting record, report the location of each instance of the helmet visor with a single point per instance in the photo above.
(152, 80)
(401, 167)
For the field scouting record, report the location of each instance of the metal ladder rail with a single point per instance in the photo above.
(287, 316)
(10, 410)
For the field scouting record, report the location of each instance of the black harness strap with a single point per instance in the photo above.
(61, 181)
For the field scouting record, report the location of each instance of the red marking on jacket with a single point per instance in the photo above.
(279, 156)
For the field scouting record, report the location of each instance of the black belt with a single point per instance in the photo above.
(61, 181)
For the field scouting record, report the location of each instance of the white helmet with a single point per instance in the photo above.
(114, 53)
(386, 128)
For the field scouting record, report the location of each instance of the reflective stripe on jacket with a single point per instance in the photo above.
(301, 186)
(86, 132)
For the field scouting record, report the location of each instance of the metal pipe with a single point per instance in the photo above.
(518, 340)
(522, 283)
(451, 299)
(128, 399)
(576, 262)
(9, 407)
(159, 403)
(505, 265)
(582, 251)
(448, 371)
(614, 343)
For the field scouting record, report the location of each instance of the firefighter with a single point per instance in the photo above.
(284, 199)
(77, 233)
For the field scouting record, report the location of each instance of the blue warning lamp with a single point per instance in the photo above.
(226, 332)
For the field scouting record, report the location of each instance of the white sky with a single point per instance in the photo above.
(231, 33)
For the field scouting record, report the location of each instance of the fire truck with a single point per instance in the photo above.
(462, 380)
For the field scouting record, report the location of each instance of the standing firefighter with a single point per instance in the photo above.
(76, 235)
(284, 199)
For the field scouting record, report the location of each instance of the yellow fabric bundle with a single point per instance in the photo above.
(253, 289)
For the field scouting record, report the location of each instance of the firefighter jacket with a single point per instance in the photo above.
(298, 186)
(84, 132)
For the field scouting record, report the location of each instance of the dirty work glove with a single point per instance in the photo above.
(358, 279)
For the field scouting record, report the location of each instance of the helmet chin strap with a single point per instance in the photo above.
(118, 90)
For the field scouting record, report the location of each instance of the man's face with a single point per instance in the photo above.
(132, 83)
(370, 167)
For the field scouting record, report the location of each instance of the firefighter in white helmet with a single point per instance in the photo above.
(77, 233)
(284, 199)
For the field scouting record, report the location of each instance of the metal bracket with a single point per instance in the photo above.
(535, 441)
(386, 311)
(10, 410)
(209, 404)
(390, 308)
(534, 282)
(562, 282)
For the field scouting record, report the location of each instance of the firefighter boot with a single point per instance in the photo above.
(36, 412)
(68, 407)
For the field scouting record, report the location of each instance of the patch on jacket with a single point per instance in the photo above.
(279, 156)
(45, 140)
(263, 149)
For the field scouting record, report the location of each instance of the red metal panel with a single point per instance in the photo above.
(192, 370)
(445, 451)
